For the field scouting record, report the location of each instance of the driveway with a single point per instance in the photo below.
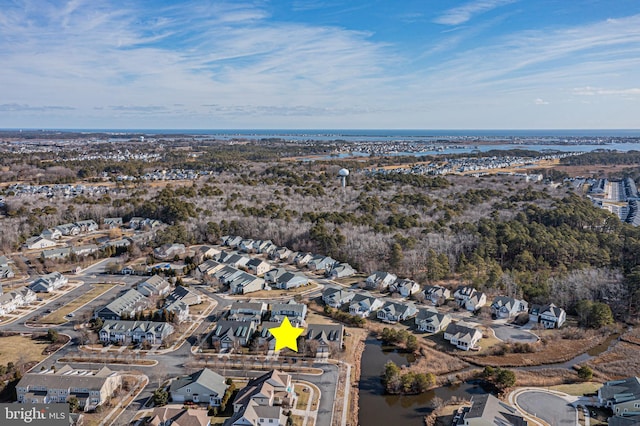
(509, 333)
(550, 408)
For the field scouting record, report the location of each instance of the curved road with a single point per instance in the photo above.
(508, 333)
(549, 407)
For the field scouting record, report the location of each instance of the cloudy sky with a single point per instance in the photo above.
(351, 64)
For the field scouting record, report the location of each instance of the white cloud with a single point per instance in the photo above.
(461, 14)
(592, 91)
(540, 101)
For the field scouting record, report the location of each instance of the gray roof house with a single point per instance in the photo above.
(169, 251)
(290, 280)
(340, 270)
(508, 307)
(185, 295)
(296, 312)
(271, 277)
(363, 304)
(51, 234)
(227, 273)
(155, 285)
(393, 312)
(266, 341)
(204, 386)
(320, 263)
(550, 316)
(281, 254)
(336, 297)
(258, 266)
(489, 410)
(163, 416)
(405, 287)
(380, 280)
(247, 311)
(205, 252)
(437, 294)
(261, 402)
(68, 229)
(92, 388)
(325, 335)
(48, 283)
(209, 267)
(244, 283)
(127, 332)
(127, 305)
(431, 321)
(87, 225)
(463, 335)
(232, 334)
(622, 396)
(302, 259)
(38, 243)
(469, 298)
(112, 222)
(179, 308)
(56, 253)
(12, 300)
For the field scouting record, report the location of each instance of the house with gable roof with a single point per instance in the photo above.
(154, 286)
(380, 280)
(126, 332)
(405, 287)
(622, 396)
(340, 270)
(233, 334)
(393, 312)
(469, 298)
(320, 263)
(431, 321)
(296, 312)
(437, 294)
(550, 316)
(462, 335)
(336, 296)
(488, 410)
(325, 335)
(258, 266)
(126, 305)
(364, 304)
(252, 310)
(508, 307)
(48, 283)
(261, 402)
(203, 386)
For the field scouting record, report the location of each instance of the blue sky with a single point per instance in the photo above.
(421, 64)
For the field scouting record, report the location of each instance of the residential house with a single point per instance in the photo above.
(247, 311)
(380, 280)
(233, 334)
(126, 305)
(118, 244)
(234, 259)
(271, 277)
(15, 299)
(363, 304)
(51, 234)
(185, 295)
(204, 253)
(261, 402)
(266, 341)
(405, 287)
(68, 229)
(320, 263)
(154, 286)
(340, 270)
(226, 274)
(204, 386)
(246, 246)
(232, 242)
(281, 254)
(168, 416)
(469, 298)
(136, 222)
(550, 316)
(302, 259)
(463, 335)
(324, 336)
(208, 268)
(169, 251)
(38, 243)
(622, 396)
(245, 283)
(431, 321)
(508, 307)
(5, 268)
(437, 294)
(112, 222)
(264, 246)
(296, 312)
(127, 332)
(290, 280)
(48, 283)
(87, 225)
(56, 253)
(488, 410)
(85, 250)
(258, 267)
(336, 296)
(179, 308)
(92, 388)
(393, 312)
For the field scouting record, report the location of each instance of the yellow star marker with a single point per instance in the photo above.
(286, 335)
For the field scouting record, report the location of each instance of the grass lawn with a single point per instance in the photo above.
(218, 421)
(58, 316)
(297, 420)
(18, 348)
(578, 389)
(303, 397)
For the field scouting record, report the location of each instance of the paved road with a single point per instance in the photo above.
(506, 333)
(550, 408)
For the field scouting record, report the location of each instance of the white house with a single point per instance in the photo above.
(126, 332)
(550, 316)
(336, 297)
(393, 312)
(469, 298)
(38, 243)
(155, 285)
(48, 283)
(437, 294)
(204, 386)
(462, 335)
(340, 270)
(404, 287)
(363, 304)
(380, 280)
(507, 307)
(431, 321)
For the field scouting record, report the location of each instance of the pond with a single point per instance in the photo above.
(377, 408)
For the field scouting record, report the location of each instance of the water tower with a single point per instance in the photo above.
(342, 174)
